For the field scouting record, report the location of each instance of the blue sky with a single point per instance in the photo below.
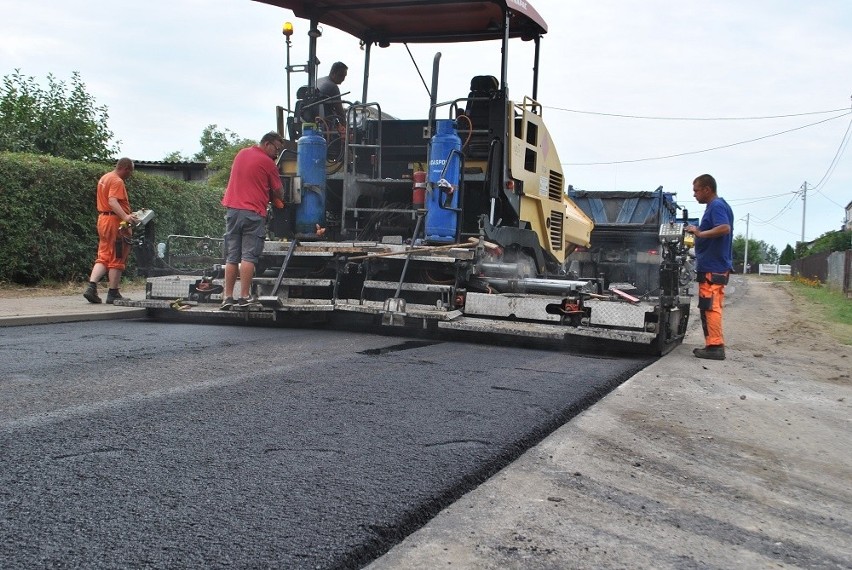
(166, 70)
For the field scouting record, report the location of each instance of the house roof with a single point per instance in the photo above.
(172, 164)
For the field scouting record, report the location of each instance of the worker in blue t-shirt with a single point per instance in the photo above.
(714, 262)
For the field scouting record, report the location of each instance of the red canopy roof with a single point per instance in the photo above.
(420, 21)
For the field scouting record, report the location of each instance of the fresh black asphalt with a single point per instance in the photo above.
(142, 444)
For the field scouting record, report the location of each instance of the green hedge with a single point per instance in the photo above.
(48, 217)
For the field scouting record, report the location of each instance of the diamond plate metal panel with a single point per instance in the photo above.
(171, 286)
(609, 313)
(527, 307)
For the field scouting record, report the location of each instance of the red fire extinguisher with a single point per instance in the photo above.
(418, 194)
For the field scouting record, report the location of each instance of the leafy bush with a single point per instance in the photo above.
(837, 240)
(48, 217)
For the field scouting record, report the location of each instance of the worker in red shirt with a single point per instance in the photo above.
(254, 179)
(113, 238)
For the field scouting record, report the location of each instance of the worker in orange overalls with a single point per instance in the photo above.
(714, 262)
(114, 222)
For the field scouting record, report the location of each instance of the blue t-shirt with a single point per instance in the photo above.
(715, 255)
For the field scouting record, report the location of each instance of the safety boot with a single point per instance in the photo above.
(716, 352)
(112, 296)
(91, 294)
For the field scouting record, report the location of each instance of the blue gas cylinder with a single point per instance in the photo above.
(310, 166)
(444, 163)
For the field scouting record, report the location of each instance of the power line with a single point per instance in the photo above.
(786, 230)
(798, 193)
(781, 212)
(829, 199)
(706, 149)
(840, 149)
(648, 118)
(741, 202)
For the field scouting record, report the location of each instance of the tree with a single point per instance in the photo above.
(220, 164)
(218, 149)
(61, 121)
(771, 254)
(837, 240)
(758, 251)
(788, 255)
(175, 156)
(213, 141)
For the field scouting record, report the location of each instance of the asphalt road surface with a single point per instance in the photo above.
(166, 445)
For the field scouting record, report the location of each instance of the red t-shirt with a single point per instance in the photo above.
(253, 175)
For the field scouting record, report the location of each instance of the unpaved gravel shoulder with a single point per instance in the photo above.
(742, 463)
(135, 287)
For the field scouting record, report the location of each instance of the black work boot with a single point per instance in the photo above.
(716, 352)
(91, 294)
(112, 296)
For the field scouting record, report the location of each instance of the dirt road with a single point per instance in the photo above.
(744, 463)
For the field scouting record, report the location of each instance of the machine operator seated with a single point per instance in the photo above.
(328, 87)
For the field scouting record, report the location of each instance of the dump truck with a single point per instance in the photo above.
(453, 224)
(625, 247)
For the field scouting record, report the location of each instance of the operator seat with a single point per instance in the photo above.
(483, 89)
(306, 110)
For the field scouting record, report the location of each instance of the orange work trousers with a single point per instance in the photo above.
(710, 298)
(113, 242)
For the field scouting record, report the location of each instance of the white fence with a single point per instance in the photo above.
(773, 269)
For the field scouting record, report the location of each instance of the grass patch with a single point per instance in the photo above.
(832, 307)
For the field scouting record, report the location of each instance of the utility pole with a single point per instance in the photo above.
(804, 206)
(745, 260)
